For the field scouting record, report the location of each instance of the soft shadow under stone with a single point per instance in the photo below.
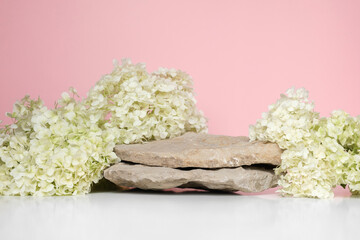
(182, 191)
(104, 185)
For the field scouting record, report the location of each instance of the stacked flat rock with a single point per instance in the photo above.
(197, 160)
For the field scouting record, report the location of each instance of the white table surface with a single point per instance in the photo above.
(138, 214)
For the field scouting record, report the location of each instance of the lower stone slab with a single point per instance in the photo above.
(246, 179)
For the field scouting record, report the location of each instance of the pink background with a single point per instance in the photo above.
(241, 54)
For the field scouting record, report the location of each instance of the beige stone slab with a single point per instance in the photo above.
(201, 150)
(249, 179)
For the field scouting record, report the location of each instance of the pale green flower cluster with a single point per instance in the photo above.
(147, 106)
(57, 151)
(319, 153)
(288, 121)
(62, 151)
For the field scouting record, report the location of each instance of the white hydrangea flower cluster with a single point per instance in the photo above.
(147, 106)
(288, 121)
(59, 151)
(318, 153)
(341, 136)
(62, 151)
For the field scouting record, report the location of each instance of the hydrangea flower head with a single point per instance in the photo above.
(147, 106)
(57, 151)
(288, 121)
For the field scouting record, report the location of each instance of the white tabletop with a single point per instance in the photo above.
(139, 214)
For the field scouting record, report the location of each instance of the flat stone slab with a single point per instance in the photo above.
(246, 179)
(201, 150)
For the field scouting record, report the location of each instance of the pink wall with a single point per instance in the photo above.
(241, 54)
